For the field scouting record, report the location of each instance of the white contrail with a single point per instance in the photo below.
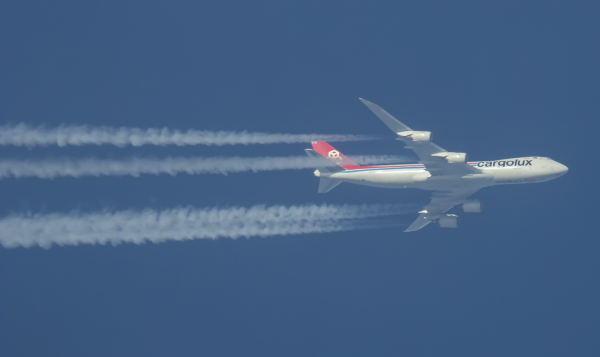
(30, 136)
(186, 223)
(54, 168)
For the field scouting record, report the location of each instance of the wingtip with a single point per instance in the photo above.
(365, 102)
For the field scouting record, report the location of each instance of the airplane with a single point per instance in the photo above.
(449, 175)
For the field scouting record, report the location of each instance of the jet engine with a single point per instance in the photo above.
(453, 157)
(448, 221)
(417, 135)
(472, 206)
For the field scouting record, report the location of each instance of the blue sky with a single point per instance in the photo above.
(495, 80)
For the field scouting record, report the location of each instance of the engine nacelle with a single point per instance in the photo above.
(453, 157)
(416, 135)
(448, 221)
(472, 206)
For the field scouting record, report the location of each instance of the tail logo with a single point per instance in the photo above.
(334, 155)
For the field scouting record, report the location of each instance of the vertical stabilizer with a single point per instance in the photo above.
(325, 167)
(336, 157)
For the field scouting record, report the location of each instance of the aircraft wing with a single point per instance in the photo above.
(424, 149)
(419, 223)
(441, 202)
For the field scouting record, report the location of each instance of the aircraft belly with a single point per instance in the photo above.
(515, 175)
(379, 178)
(450, 183)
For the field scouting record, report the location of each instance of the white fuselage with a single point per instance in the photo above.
(497, 172)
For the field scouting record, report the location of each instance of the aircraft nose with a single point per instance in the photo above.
(561, 169)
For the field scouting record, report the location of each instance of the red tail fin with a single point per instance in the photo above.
(332, 154)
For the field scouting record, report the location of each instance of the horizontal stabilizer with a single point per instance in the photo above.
(327, 184)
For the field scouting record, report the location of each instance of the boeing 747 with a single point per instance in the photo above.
(449, 175)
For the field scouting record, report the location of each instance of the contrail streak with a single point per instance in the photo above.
(54, 168)
(30, 136)
(186, 223)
